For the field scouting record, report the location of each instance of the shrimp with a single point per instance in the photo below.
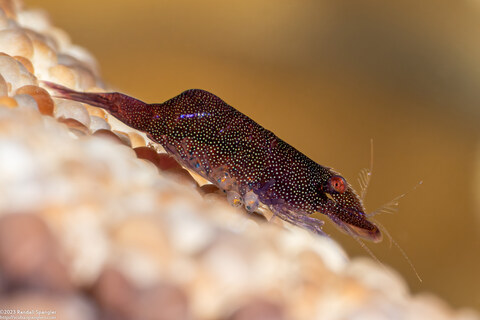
(254, 166)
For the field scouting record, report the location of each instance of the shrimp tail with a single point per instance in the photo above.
(130, 111)
(102, 100)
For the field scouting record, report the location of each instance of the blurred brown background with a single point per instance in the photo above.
(326, 76)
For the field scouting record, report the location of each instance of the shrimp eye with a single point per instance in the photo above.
(338, 184)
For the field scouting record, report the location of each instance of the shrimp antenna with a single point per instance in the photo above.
(374, 257)
(340, 226)
(390, 207)
(365, 175)
(404, 254)
(393, 205)
(367, 249)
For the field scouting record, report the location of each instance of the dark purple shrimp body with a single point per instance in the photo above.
(229, 149)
